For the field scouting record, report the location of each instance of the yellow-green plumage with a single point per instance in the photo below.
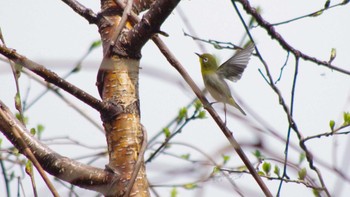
(232, 69)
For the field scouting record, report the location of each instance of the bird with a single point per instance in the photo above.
(214, 76)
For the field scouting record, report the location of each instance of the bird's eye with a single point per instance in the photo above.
(205, 59)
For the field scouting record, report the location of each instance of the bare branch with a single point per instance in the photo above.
(87, 13)
(275, 35)
(58, 81)
(61, 167)
(289, 113)
(143, 31)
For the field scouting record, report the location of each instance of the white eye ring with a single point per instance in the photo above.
(205, 59)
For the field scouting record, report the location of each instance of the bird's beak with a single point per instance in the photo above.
(198, 54)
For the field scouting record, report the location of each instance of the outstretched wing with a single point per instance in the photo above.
(233, 68)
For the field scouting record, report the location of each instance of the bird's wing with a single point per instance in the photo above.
(233, 68)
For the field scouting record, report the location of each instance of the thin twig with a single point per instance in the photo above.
(284, 174)
(327, 134)
(282, 68)
(166, 141)
(4, 174)
(297, 54)
(16, 75)
(313, 14)
(275, 35)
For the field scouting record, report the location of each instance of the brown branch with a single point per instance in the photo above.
(87, 13)
(23, 146)
(56, 91)
(143, 31)
(61, 167)
(177, 65)
(53, 78)
(275, 35)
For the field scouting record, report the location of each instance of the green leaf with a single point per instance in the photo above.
(216, 169)
(331, 124)
(326, 5)
(198, 105)
(0, 142)
(40, 128)
(302, 174)
(258, 154)
(32, 131)
(173, 192)
(226, 158)
(95, 44)
(25, 119)
(182, 114)
(166, 132)
(29, 167)
(316, 192)
(185, 156)
(18, 69)
(242, 168)
(18, 101)
(12, 175)
(333, 54)
(266, 168)
(261, 173)
(317, 13)
(216, 45)
(190, 186)
(277, 171)
(202, 115)
(16, 152)
(302, 157)
(346, 116)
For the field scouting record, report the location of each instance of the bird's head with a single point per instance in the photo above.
(208, 62)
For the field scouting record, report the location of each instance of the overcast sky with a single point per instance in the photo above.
(50, 33)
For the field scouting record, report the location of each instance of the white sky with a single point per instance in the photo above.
(50, 33)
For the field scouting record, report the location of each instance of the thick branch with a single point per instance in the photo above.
(61, 167)
(143, 31)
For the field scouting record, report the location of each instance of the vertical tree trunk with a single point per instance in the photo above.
(118, 85)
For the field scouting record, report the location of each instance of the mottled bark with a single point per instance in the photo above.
(118, 84)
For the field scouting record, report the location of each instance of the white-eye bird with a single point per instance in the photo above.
(214, 76)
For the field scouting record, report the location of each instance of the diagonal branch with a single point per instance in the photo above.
(87, 13)
(137, 38)
(53, 78)
(145, 29)
(61, 167)
(275, 35)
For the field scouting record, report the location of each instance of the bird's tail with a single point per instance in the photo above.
(234, 104)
